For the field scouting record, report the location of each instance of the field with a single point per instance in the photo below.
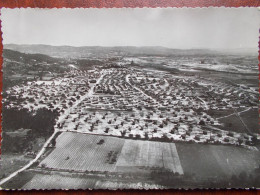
(202, 165)
(80, 152)
(83, 152)
(250, 121)
(249, 118)
(58, 181)
(216, 160)
(149, 154)
(135, 161)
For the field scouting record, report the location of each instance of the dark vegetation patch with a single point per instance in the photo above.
(85, 64)
(19, 67)
(219, 113)
(27, 58)
(251, 119)
(15, 139)
(232, 123)
(219, 166)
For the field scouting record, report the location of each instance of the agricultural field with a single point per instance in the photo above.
(217, 160)
(82, 152)
(202, 165)
(58, 181)
(148, 155)
(86, 152)
(144, 156)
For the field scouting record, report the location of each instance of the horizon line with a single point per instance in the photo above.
(200, 48)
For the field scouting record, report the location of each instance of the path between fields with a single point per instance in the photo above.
(238, 115)
(242, 121)
(141, 91)
(234, 113)
(61, 118)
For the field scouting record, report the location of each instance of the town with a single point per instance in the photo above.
(131, 119)
(137, 104)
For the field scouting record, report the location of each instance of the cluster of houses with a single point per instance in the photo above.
(137, 110)
(57, 94)
(193, 93)
(132, 104)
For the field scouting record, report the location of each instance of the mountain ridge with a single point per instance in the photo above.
(85, 51)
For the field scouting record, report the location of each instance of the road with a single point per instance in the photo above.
(234, 113)
(238, 115)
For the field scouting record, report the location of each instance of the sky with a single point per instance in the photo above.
(185, 28)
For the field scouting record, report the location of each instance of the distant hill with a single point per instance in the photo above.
(17, 63)
(22, 57)
(83, 52)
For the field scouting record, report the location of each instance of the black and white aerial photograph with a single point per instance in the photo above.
(130, 98)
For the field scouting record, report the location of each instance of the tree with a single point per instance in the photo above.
(107, 129)
(123, 133)
(146, 136)
(161, 125)
(254, 140)
(202, 122)
(165, 137)
(240, 141)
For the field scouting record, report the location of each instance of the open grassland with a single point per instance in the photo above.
(250, 119)
(216, 161)
(233, 123)
(243, 121)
